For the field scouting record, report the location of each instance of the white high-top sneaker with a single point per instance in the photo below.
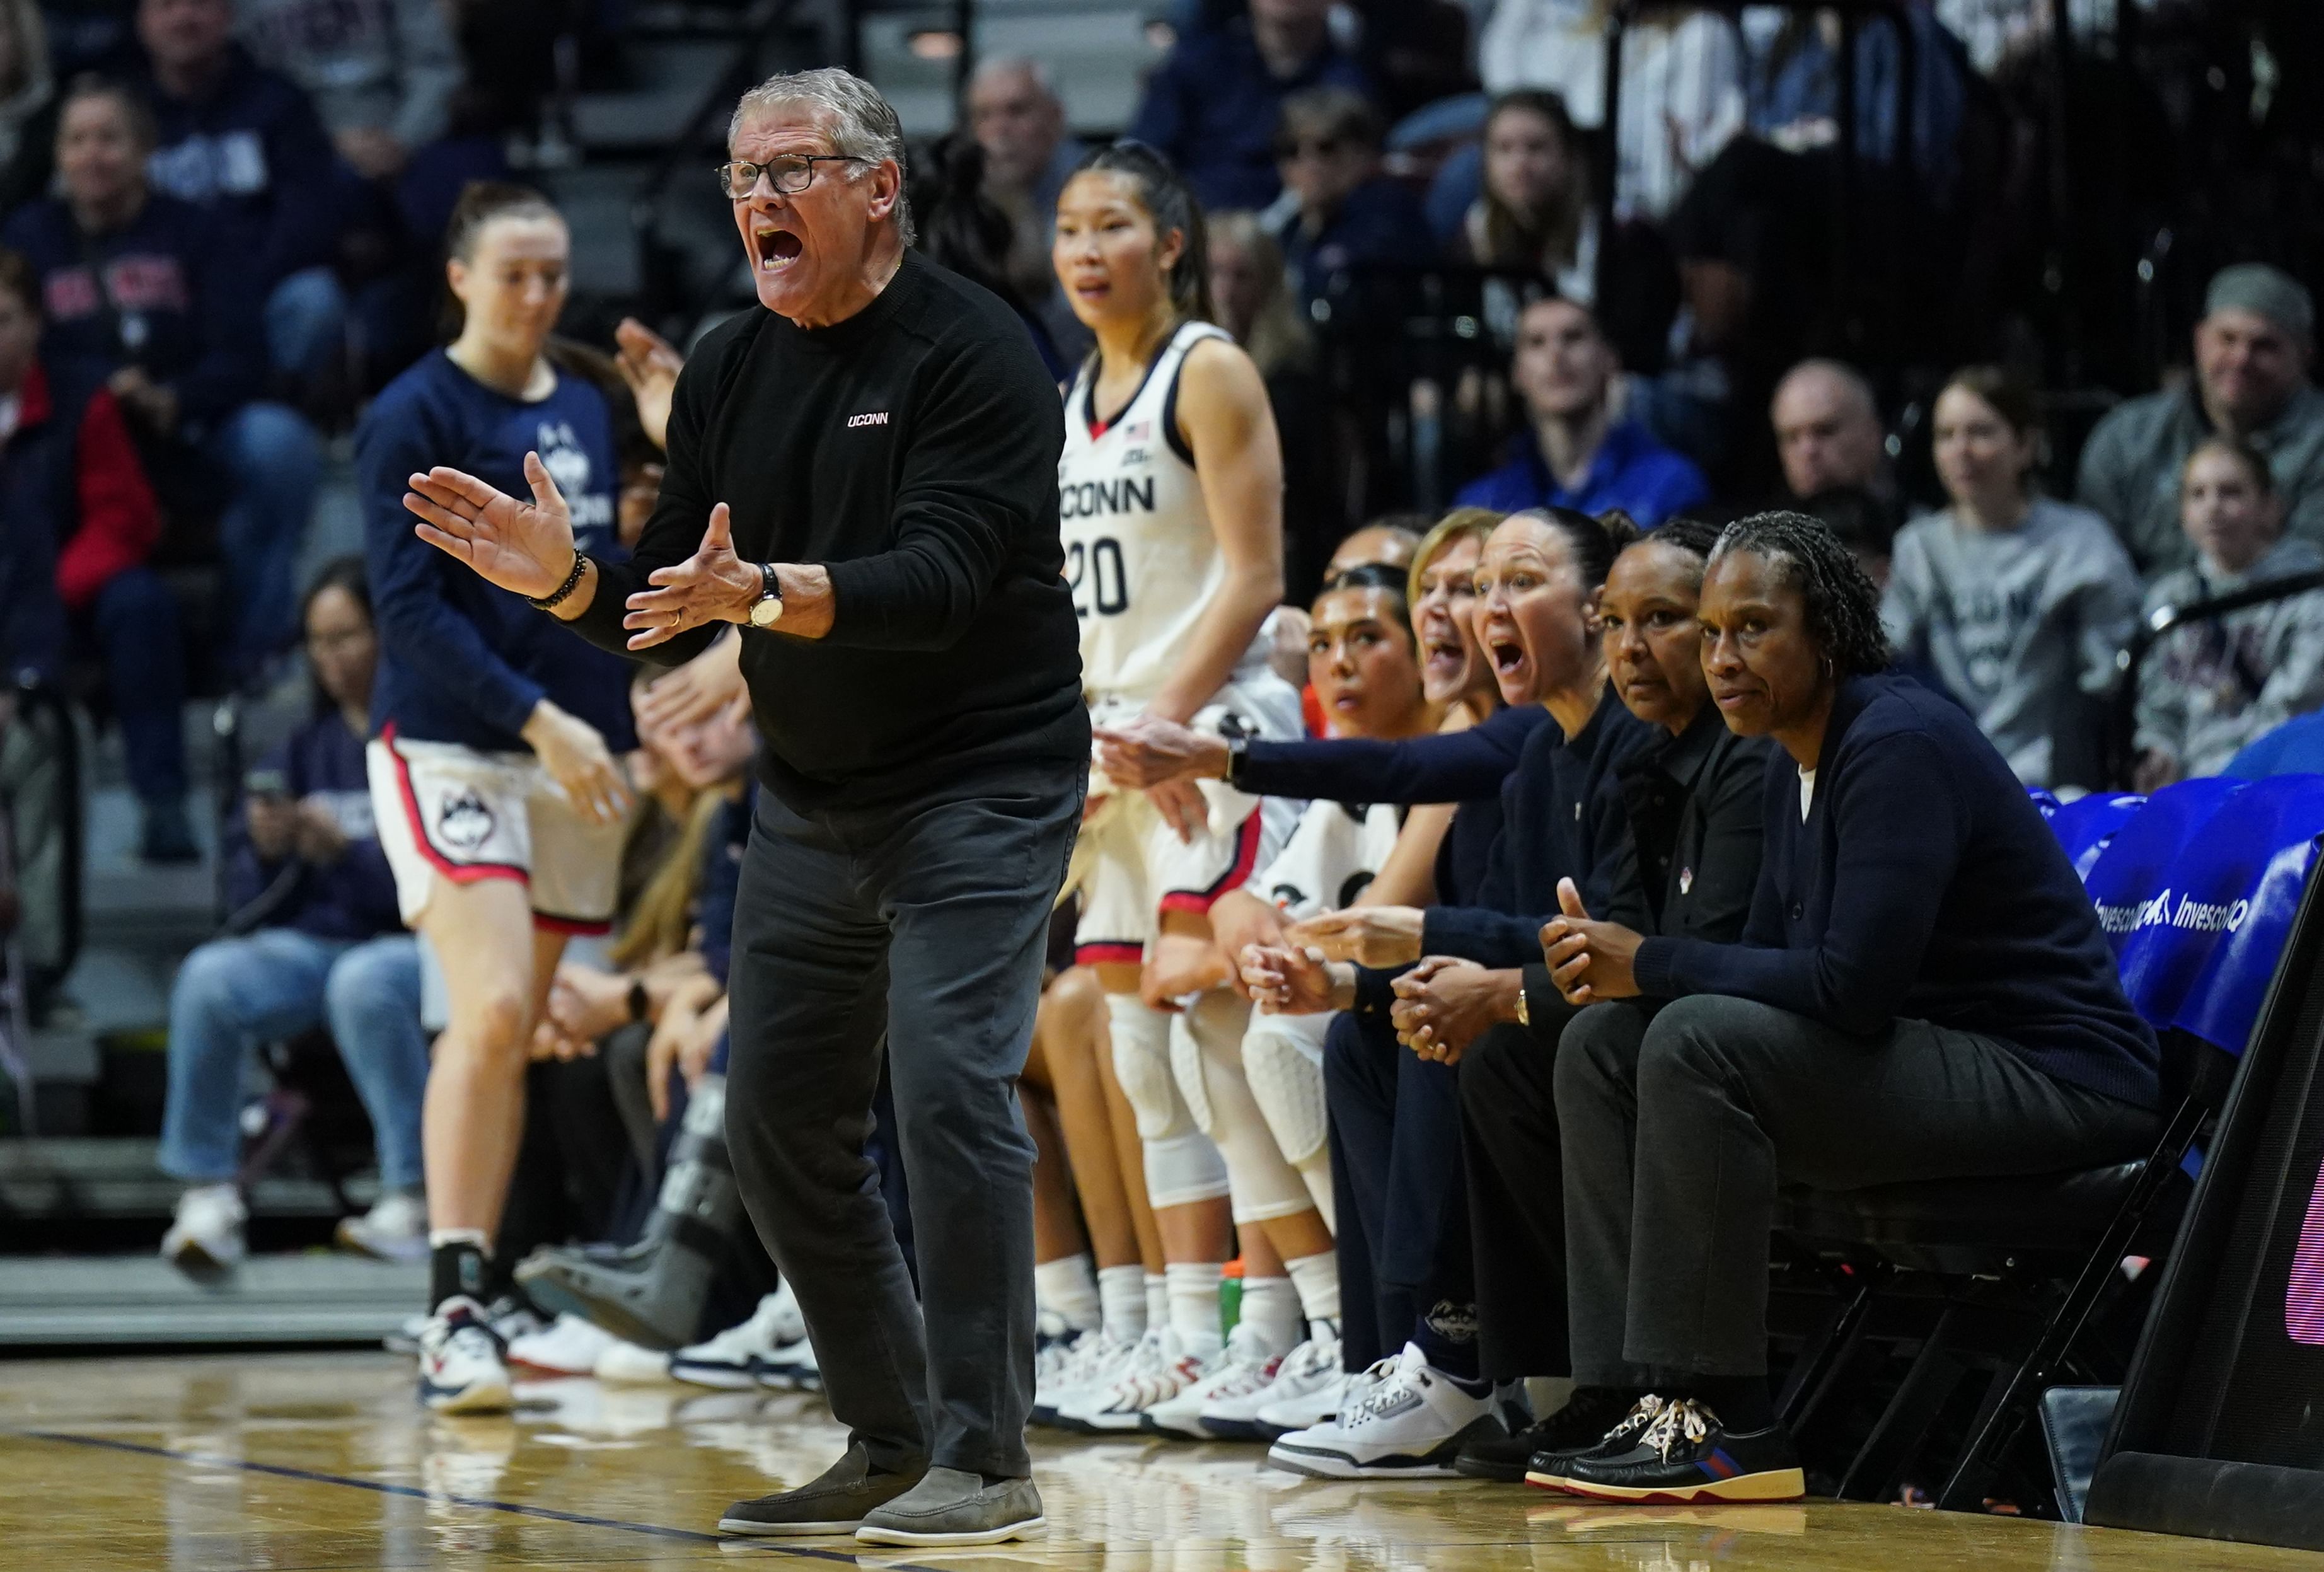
(1069, 1376)
(1409, 1426)
(1304, 1390)
(1248, 1366)
(1126, 1372)
(462, 1370)
(570, 1346)
(730, 1361)
(206, 1234)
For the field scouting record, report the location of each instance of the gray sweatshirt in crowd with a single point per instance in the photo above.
(2023, 625)
(386, 64)
(2207, 689)
(2131, 465)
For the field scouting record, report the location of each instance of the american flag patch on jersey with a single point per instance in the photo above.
(1139, 431)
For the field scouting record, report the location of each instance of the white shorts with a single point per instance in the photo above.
(1129, 866)
(450, 812)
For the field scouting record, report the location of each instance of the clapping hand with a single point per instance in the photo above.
(1588, 960)
(1290, 980)
(1444, 1004)
(649, 366)
(524, 547)
(713, 585)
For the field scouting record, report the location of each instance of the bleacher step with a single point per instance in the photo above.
(54, 1300)
(119, 1178)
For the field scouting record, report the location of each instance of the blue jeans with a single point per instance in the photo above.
(305, 322)
(233, 994)
(134, 624)
(276, 463)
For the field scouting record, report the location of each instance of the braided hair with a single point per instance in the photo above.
(1842, 606)
(1171, 203)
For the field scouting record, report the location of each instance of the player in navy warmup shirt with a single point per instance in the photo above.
(499, 801)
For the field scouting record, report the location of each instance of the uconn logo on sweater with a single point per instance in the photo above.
(568, 462)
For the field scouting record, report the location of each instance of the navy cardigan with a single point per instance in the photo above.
(1924, 884)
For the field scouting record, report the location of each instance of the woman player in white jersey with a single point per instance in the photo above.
(1171, 501)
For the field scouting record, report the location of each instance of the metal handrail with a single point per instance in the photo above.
(2165, 620)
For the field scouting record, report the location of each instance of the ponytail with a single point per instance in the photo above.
(1171, 203)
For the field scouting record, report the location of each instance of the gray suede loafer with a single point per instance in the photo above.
(836, 1503)
(948, 1507)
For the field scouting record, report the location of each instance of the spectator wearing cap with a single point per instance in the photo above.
(77, 522)
(1578, 452)
(2253, 350)
(1018, 119)
(1215, 103)
(1347, 213)
(245, 144)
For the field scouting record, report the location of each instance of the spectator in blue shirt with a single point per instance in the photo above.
(314, 939)
(1579, 454)
(1348, 213)
(1215, 103)
(244, 143)
(141, 292)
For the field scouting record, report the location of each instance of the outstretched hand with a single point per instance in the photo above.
(1146, 751)
(649, 365)
(1588, 960)
(713, 585)
(523, 547)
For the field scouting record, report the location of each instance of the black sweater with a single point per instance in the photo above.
(912, 449)
(1924, 885)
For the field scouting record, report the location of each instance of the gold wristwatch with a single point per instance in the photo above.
(1524, 1016)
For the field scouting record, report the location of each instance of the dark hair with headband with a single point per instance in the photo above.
(1171, 203)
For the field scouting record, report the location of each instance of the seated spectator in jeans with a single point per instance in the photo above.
(79, 520)
(245, 144)
(28, 105)
(1346, 212)
(2207, 690)
(2020, 604)
(1579, 454)
(2253, 351)
(1922, 992)
(314, 939)
(1215, 103)
(143, 293)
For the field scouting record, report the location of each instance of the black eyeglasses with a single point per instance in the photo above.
(790, 174)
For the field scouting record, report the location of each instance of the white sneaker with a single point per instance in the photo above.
(571, 1345)
(462, 1370)
(625, 1363)
(1409, 1426)
(1248, 1366)
(1305, 1390)
(730, 1360)
(1068, 1376)
(791, 1367)
(206, 1235)
(1155, 1371)
(394, 1229)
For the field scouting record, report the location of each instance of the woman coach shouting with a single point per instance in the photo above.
(884, 436)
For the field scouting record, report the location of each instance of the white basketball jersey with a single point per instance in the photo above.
(1335, 851)
(1140, 553)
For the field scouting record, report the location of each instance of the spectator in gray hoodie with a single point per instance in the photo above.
(381, 72)
(2020, 604)
(2252, 353)
(2209, 689)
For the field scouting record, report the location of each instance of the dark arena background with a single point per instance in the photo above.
(2009, 302)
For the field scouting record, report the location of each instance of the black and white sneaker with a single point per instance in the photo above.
(1684, 1454)
(1580, 1426)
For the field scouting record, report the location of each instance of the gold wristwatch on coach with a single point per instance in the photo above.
(1524, 1016)
(767, 609)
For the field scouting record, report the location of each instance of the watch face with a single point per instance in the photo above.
(764, 613)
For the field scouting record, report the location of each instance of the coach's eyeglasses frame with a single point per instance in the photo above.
(790, 174)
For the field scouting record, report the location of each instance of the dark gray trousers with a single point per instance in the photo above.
(925, 921)
(1678, 1126)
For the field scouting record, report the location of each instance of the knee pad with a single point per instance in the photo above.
(1262, 1182)
(1141, 1063)
(1282, 1059)
(1183, 1169)
(1213, 1022)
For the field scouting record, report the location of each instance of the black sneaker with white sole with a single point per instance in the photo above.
(1582, 1424)
(1684, 1454)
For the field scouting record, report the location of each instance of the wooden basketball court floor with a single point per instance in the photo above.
(323, 1461)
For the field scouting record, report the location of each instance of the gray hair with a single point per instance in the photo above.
(859, 122)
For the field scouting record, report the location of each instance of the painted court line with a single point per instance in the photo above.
(580, 1520)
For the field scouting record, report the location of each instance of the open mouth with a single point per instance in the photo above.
(1443, 657)
(1508, 656)
(1091, 288)
(774, 247)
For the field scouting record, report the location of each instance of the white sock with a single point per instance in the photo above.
(1158, 1301)
(1121, 1297)
(439, 1238)
(1068, 1286)
(1270, 1307)
(1194, 1305)
(1318, 1278)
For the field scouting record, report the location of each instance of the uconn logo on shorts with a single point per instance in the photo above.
(463, 824)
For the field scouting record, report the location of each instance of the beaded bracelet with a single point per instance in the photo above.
(572, 581)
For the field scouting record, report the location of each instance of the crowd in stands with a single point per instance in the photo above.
(224, 230)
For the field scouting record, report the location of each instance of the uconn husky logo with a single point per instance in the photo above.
(463, 824)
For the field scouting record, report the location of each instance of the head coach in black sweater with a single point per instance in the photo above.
(1921, 991)
(862, 474)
